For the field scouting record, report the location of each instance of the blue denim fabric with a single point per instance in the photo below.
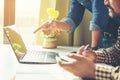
(98, 9)
(100, 17)
(106, 42)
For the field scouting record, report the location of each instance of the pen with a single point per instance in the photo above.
(87, 48)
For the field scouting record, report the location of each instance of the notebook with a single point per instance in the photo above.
(25, 55)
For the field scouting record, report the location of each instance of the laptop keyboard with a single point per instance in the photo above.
(40, 56)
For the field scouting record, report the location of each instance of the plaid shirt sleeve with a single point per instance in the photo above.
(110, 55)
(106, 72)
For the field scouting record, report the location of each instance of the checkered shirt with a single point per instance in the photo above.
(107, 72)
(111, 57)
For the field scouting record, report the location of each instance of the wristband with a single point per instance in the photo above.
(94, 48)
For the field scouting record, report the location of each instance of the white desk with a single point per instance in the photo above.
(10, 66)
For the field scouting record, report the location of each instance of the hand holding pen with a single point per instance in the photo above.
(89, 53)
(87, 48)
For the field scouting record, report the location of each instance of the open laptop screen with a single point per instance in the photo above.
(16, 41)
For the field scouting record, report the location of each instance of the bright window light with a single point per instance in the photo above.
(27, 12)
(27, 18)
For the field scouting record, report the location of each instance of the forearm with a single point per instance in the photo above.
(95, 38)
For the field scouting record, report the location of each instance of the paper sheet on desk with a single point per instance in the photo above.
(43, 72)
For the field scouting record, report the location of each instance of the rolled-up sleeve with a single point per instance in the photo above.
(100, 15)
(75, 14)
(71, 23)
(94, 26)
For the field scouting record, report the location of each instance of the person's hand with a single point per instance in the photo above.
(48, 27)
(87, 53)
(81, 66)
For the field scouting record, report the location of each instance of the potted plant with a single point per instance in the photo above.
(50, 41)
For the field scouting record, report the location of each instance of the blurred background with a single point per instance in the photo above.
(26, 15)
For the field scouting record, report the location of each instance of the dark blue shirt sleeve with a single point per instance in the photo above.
(99, 11)
(100, 15)
(75, 14)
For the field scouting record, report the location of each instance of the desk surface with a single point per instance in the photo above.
(10, 66)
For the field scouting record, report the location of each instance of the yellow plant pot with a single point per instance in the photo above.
(49, 43)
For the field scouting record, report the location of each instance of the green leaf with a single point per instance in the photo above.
(52, 35)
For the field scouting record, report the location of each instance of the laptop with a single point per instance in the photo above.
(25, 55)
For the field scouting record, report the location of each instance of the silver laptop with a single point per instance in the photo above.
(25, 55)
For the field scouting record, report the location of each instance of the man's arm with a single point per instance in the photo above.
(75, 14)
(95, 39)
(98, 22)
(106, 72)
(110, 55)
